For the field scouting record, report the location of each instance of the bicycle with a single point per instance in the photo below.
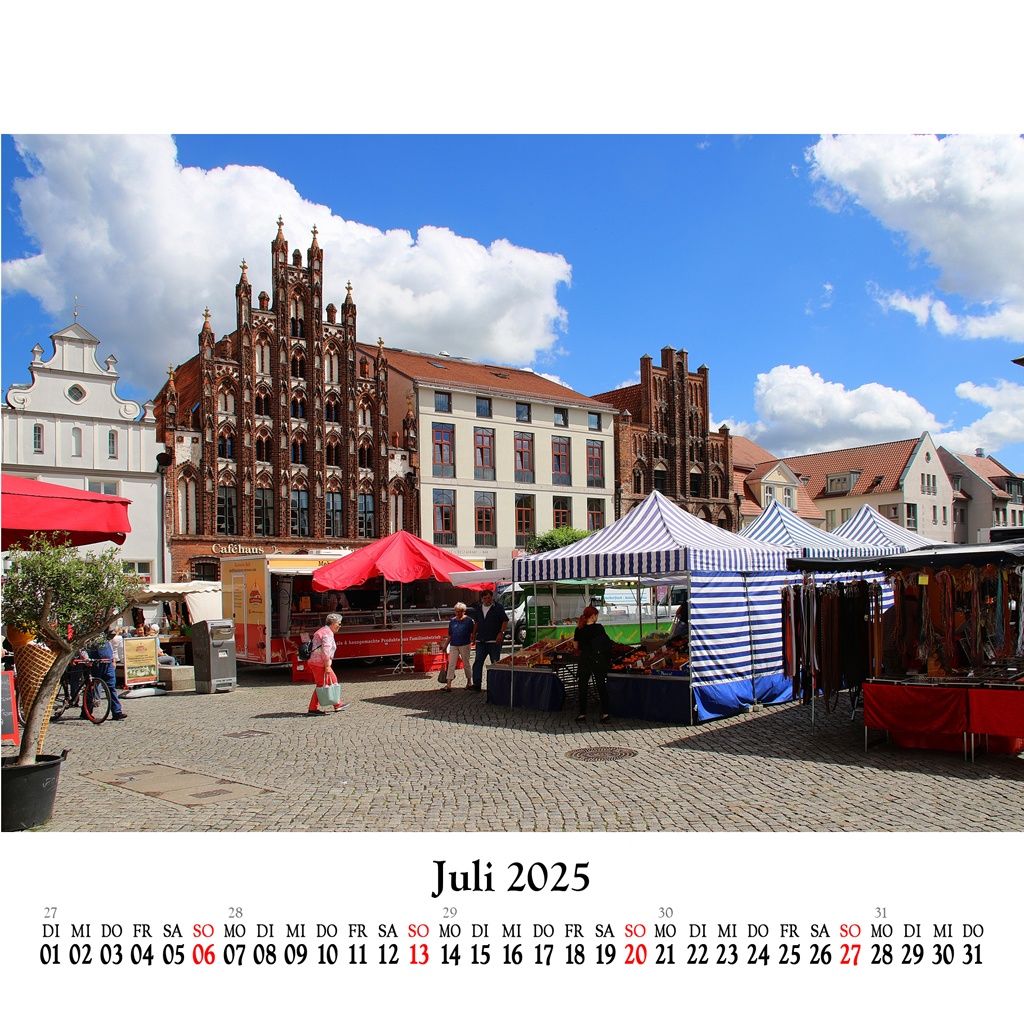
(93, 692)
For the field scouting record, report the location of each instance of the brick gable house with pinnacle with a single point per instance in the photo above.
(275, 435)
(663, 442)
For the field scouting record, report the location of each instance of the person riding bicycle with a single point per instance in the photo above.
(102, 657)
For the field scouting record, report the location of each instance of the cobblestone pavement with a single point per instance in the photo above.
(405, 756)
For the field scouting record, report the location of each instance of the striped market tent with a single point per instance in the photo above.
(734, 583)
(656, 538)
(780, 525)
(869, 526)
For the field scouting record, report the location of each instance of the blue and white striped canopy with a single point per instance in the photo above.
(656, 538)
(780, 525)
(869, 526)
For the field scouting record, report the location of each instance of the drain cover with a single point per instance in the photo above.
(601, 753)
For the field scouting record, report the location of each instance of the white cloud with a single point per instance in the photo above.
(799, 412)
(824, 301)
(1001, 426)
(958, 201)
(146, 244)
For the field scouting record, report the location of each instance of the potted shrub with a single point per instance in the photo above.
(67, 600)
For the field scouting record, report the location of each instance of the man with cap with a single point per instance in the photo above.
(491, 622)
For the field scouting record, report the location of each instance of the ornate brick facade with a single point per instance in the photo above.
(276, 435)
(663, 441)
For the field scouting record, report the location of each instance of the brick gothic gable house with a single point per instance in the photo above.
(276, 435)
(663, 442)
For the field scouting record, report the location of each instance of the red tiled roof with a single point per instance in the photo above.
(747, 453)
(988, 469)
(629, 397)
(483, 377)
(887, 461)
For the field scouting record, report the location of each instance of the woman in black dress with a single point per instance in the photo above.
(594, 647)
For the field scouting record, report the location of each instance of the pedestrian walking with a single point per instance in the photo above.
(461, 634)
(324, 646)
(491, 621)
(594, 647)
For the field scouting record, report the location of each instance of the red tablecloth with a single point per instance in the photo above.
(996, 712)
(932, 709)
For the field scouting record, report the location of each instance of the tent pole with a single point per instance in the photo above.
(750, 630)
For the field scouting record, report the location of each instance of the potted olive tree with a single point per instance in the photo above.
(67, 600)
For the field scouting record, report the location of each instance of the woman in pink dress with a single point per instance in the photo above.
(324, 646)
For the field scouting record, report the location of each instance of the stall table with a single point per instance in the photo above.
(945, 715)
(650, 698)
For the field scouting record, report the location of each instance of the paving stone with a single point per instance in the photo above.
(404, 757)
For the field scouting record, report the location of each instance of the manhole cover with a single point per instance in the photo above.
(601, 753)
(246, 734)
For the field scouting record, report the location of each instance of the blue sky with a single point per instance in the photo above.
(842, 291)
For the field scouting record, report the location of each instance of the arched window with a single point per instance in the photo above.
(226, 401)
(187, 511)
(298, 408)
(299, 367)
(264, 449)
(364, 367)
(365, 521)
(225, 446)
(365, 415)
(366, 455)
(332, 367)
(298, 315)
(263, 406)
(299, 451)
(332, 411)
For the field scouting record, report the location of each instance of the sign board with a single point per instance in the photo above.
(140, 664)
(8, 711)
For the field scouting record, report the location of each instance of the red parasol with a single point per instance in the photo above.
(31, 506)
(400, 558)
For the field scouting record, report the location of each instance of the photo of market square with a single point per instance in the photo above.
(321, 579)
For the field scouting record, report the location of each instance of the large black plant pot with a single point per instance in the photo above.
(29, 791)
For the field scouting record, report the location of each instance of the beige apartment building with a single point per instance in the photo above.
(497, 455)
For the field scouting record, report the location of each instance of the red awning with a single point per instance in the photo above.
(400, 558)
(31, 506)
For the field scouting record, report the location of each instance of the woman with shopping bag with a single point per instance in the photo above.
(328, 689)
(461, 636)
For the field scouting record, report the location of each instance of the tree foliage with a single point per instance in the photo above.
(67, 599)
(556, 538)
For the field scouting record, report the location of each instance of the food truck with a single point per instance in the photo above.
(275, 608)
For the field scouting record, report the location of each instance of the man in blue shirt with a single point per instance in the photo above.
(491, 621)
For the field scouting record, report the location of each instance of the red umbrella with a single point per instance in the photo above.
(400, 558)
(31, 506)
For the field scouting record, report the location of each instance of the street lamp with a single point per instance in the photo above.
(163, 460)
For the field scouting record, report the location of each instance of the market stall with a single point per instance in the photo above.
(826, 640)
(400, 557)
(649, 682)
(735, 636)
(947, 663)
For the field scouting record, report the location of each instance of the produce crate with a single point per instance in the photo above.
(429, 662)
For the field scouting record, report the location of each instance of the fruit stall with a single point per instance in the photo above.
(650, 681)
